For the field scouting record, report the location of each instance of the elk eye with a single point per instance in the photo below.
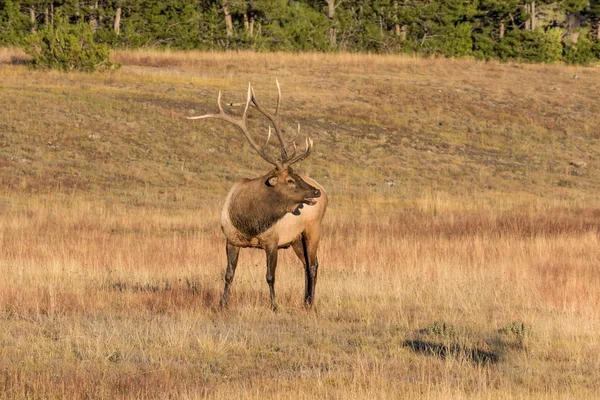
(290, 181)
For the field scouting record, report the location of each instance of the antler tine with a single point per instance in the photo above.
(292, 142)
(219, 103)
(274, 118)
(278, 97)
(268, 137)
(241, 124)
(300, 157)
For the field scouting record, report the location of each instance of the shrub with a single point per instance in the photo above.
(536, 46)
(550, 46)
(68, 47)
(596, 49)
(579, 53)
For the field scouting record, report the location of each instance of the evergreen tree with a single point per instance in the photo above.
(540, 30)
(12, 23)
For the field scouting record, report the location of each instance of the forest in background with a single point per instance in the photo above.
(523, 30)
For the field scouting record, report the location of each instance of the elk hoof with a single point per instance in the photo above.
(308, 303)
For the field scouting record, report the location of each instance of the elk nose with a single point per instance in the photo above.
(317, 193)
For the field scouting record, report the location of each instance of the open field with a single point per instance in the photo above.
(476, 276)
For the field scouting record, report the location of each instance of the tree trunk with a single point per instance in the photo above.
(32, 17)
(331, 17)
(117, 25)
(228, 22)
(532, 15)
(403, 32)
(574, 23)
(51, 13)
(47, 16)
(598, 32)
(94, 17)
(501, 30)
(251, 26)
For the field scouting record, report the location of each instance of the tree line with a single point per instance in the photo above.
(539, 31)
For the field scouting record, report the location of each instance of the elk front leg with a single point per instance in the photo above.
(232, 259)
(306, 250)
(271, 266)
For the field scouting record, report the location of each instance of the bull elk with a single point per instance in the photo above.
(274, 211)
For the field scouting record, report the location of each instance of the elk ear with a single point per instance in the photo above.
(272, 181)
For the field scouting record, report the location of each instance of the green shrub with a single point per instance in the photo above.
(596, 49)
(550, 46)
(458, 41)
(68, 47)
(581, 53)
(453, 41)
(536, 46)
(484, 45)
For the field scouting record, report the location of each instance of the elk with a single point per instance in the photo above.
(274, 211)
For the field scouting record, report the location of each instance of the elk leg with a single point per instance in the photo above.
(232, 259)
(271, 266)
(306, 250)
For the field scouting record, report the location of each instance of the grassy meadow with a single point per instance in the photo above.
(476, 276)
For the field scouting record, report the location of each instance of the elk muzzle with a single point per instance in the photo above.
(311, 200)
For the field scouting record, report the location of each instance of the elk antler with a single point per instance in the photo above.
(286, 160)
(274, 118)
(241, 124)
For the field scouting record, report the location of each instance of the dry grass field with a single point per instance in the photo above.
(476, 276)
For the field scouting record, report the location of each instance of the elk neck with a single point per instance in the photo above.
(254, 208)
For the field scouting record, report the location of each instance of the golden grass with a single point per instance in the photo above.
(475, 277)
(114, 301)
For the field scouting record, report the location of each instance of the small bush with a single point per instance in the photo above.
(550, 46)
(68, 47)
(532, 46)
(581, 52)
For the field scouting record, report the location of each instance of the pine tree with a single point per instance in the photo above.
(13, 24)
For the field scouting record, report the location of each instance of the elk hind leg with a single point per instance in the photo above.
(306, 249)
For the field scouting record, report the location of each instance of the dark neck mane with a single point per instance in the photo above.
(253, 209)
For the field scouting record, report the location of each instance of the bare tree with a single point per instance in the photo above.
(531, 21)
(573, 23)
(32, 17)
(228, 21)
(331, 5)
(117, 24)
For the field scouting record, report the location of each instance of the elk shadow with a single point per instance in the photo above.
(19, 60)
(169, 294)
(458, 351)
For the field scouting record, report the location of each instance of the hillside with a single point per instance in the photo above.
(456, 126)
(475, 276)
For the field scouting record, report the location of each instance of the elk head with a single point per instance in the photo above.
(281, 180)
